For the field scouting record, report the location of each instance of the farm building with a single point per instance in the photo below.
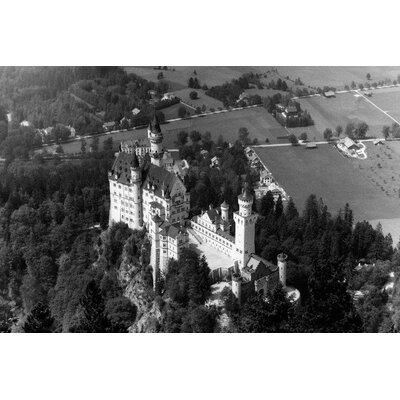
(168, 96)
(135, 111)
(265, 178)
(349, 144)
(109, 126)
(214, 162)
(329, 94)
(311, 146)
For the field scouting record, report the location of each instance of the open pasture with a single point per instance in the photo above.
(388, 99)
(209, 75)
(327, 174)
(209, 102)
(259, 123)
(338, 76)
(171, 112)
(340, 110)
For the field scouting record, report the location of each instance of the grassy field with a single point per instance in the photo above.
(208, 101)
(172, 111)
(327, 174)
(388, 100)
(344, 108)
(260, 124)
(381, 167)
(205, 74)
(338, 76)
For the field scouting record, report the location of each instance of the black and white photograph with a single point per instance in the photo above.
(199, 200)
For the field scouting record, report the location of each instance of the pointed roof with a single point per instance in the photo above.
(135, 161)
(155, 124)
(246, 194)
(224, 204)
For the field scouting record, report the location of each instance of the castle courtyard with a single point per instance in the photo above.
(215, 258)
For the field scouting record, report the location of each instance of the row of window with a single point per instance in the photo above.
(215, 237)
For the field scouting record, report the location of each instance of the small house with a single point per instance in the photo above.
(135, 111)
(329, 94)
(168, 96)
(311, 145)
(108, 126)
(349, 144)
(214, 162)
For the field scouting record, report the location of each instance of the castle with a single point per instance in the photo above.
(155, 197)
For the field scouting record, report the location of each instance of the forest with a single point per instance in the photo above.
(82, 97)
(62, 269)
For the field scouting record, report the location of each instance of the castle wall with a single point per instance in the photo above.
(212, 238)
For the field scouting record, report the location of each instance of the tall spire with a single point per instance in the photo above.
(155, 124)
(135, 160)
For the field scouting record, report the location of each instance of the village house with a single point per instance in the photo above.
(214, 162)
(109, 126)
(168, 96)
(329, 94)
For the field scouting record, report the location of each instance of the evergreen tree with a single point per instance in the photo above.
(267, 204)
(95, 320)
(39, 320)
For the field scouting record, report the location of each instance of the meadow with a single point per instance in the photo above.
(338, 76)
(209, 102)
(257, 120)
(388, 99)
(340, 110)
(209, 75)
(327, 174)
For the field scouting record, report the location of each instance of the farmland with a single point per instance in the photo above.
(259, 123)
(211, 76)
(388, 99)
(337, 76)
(208, 101)
(337, 180)
(340, 110)
(171, 112)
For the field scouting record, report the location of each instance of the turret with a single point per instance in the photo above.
(136, 196)
(282, 268)
(156, 138)
(245, 221)
(237, 287)
(245, 200)
(225, 211)
(154, 232)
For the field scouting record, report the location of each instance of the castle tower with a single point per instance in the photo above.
(154, 232)
(282, 268)
(237, 287)
(224, 216)
(156, 138)
(245, 221)
(225, 211)
(136, 181)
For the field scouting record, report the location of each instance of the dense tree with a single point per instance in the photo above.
(243, 135)
(182, 112)
(328, 134)
(193, 95)
(39, 320)
(95, 319)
